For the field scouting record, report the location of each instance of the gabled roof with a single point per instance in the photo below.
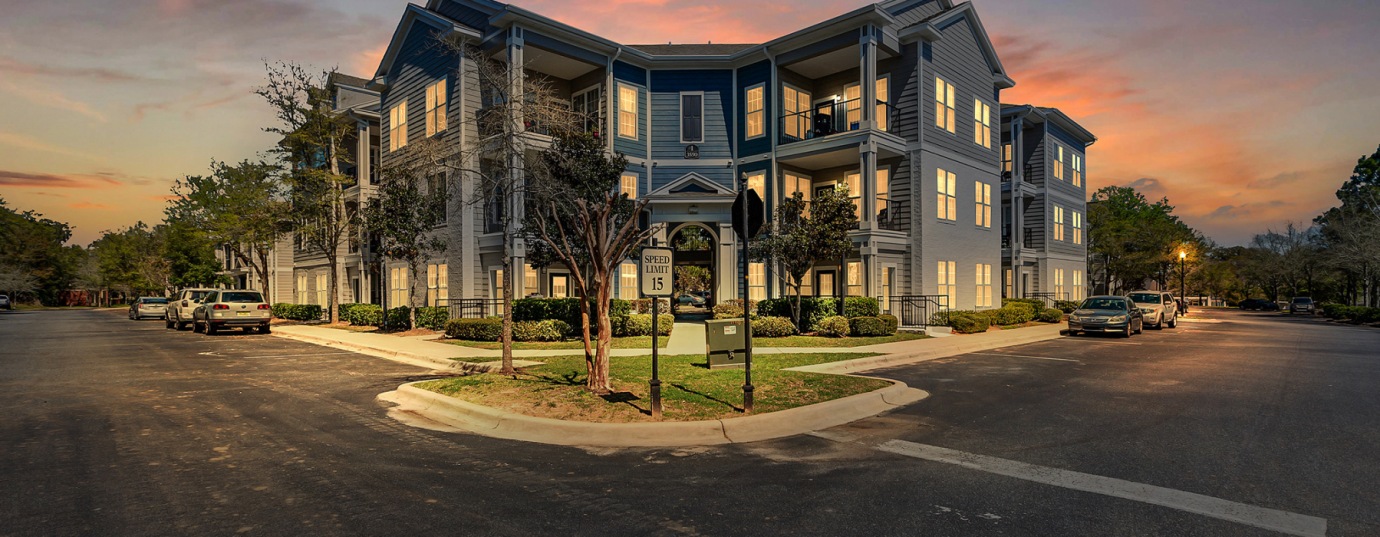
(1039, 114)
(708, 49)
(692, 184)
(342, 79)
(414, 14)
(929, 30)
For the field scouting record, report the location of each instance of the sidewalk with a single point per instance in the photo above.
(686, 338)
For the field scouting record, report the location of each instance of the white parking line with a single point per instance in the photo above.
(1250, 515)
(1022, 356)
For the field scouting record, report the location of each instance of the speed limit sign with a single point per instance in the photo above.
(656, 272)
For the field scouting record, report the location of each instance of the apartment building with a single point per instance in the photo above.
(1044, 197)
(897, 101)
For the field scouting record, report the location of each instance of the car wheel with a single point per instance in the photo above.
(1140, 328)
(264, 329)
(196, 327)
(210, 329)
(1127, 331)
(168, 323)
(1174, 321)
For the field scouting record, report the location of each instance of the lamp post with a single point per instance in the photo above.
(1183, 256)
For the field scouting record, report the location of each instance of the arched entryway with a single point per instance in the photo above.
(695, 267)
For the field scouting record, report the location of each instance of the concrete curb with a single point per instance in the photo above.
(951, 346)
(400, 357)
(496, 423)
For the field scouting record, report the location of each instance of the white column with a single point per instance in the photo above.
(867, 46)
(727, 280)
(867, 187)
(362, 162)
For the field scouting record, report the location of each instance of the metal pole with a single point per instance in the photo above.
(656, 382)
(1183, 270)
(747, 322)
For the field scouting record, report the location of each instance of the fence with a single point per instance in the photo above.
(1050, 299)
(915, 311)
(474, 308)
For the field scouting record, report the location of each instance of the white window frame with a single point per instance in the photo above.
(883, 189)
(853, 278)
(323, 289)
(883, 91)
(303, 291)
(1077, 285)
(852, 106)
(802, 122)
(1058, 223)
(757, 281)
(397, 286)
(947, 202)
(599, 108)
(1059, 162)
(628, 184)
(1007, 163)
(627, 281)
(437, 284)
(629, 115)
(1077, 169)
(397, 126)
(982, 194)
(852, 182)
(792, 182)
(758, 181)
(984, 286)
(888, 283)
(531, 280)
(681, 120)
(1077, 227)
(944, 104)
(760, 112)
(982, 123)
(436, 101)
(1059, 284)
(947, 276)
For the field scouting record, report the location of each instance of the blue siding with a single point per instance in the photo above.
(635, 76)
(757, 73)
(666, 87)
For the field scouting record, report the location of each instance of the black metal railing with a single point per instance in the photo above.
(835, 118)
(474, 308)
(889, 214)
(918, 311)
(1050, 298)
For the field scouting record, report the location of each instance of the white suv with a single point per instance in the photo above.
(181, 306)
(1159, 308)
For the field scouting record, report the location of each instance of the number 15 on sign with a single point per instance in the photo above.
(656, 272)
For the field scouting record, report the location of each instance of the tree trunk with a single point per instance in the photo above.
(599, 374)
(585, 332)
(412, 295)
(507, 336)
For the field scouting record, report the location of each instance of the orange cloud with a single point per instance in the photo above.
(49, 180)
(89, 205)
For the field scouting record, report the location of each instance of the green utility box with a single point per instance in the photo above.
(723, 339)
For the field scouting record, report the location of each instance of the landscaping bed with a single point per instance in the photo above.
(689, 391)
(820, 341)
(633, 342)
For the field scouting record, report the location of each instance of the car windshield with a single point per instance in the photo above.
(1118, 304)
(155, 300)
(1146, 298)
(240, 296)
(1303, 301)
(198, 295)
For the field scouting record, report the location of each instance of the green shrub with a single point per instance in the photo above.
(1067, 306)
(640, 324)
(644, 305)
(727, 310)
(813, 309)
(1034, 303)
(564, 309)
(548, 330)
(867, 327)
(890, 323)
(433, 318)
(1051, 315)
(860, 306)
(1010, 314)
(488, 329)
(364, 315)
(944, 318)
(344, 311)
(968, 323)
(834, 326)
(297, 312)
(397, 319)
(772, 327)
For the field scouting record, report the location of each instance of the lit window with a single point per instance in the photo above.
(437, 285)
(755, 121)
(1006, 162)
(529, 280)
(982, 123)
(629, 185)
(397, 287)
(397, 126)
(852, 105)
(798, 183)
(1059, 162)
(497, 284)
(589, 105)
(757, 182)
(943, 104)
(627, 111)
(1059, 285)
(854, 279)
(757, 281)
(982, 192)
(691, 117)
(948, 196)
(854, 182)
(883, 97)
(796, 108)
(302, 290)
(948, 277)
(888, 274)
(1077, 170)
(436, 107)
(322, 289)
(1007, 281)
(1077, 285)
(1077, 227)
(627, 281)
(883, 192)
(984, 286)
(1058, 223)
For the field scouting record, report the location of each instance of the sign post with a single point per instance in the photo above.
(749, 213)
(656, 282)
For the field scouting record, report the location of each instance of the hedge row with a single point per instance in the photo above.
(813, 310)
(1353, 314)
(297, 312)
(491, 328)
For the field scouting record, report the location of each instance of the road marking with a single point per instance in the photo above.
(1250, 515)
(294, 355)
(1022, 356)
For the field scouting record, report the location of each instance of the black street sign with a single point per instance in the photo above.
(756, 213)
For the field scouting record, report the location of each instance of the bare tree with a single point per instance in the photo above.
(496, 153)
(312, 151)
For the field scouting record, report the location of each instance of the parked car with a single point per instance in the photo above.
(5, 302)
(1159, 308)
(232, 308)
(1301, 304)
(690, 300)
(182, 305)
(1117, 314)
(149, 306)
(1258, 304)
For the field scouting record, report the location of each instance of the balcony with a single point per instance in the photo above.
(829, 119)
(1027, 239)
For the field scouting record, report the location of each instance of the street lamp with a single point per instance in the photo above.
(1183, 256)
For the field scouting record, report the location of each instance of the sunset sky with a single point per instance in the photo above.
(1246, 115)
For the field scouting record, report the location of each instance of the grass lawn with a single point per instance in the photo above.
(688, 392)
(820, 341)
(637, 342)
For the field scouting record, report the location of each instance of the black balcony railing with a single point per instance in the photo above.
(889, 214)
(834, 118)
(919, 311)
(1050, 298)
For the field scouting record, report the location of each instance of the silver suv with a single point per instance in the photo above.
(1301, 304)
(181, 306)
(1159, 308)
(232, 308)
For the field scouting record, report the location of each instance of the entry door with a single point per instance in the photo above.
(824, 283)
(560, 286)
